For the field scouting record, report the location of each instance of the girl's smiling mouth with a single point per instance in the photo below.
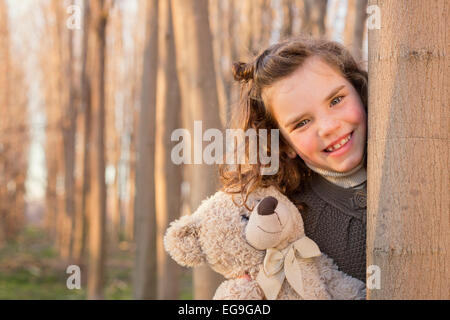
(340, 147)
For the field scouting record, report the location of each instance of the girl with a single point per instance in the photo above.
(315, 93)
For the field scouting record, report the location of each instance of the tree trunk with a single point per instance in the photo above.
(218, 16)
(69, 130)
(145, 272)
(82, 215)
(54, 102)
(13, 134)
(358, 32)
(354, 27)
(115, 85)
(4, 107)
(97, 195)
(314, 14)
(195, 67)
(408, 216)
(287, 28)
(350, 23)
(129, 220)
(168, 176)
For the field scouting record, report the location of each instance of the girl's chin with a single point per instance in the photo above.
(347, 165)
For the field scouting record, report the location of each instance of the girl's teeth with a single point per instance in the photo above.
(337, 145)
(342, 142)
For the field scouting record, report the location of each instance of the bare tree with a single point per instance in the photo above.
(408, 208)
(358, 33)
(354, 27)
(195, 66)
(314, 17)
(116, 90)
(288, 9)
(53, 92)
(168, 176)
(97, 195)
(13, 134)
(68, 132)
(83, 182)
(145, 264)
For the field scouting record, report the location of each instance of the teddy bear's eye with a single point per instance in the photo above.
(244, 218)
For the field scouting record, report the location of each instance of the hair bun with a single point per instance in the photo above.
(243, 71)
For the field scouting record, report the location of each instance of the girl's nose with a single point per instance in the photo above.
(328, 126)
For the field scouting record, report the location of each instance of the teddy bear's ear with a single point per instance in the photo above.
(182, 243)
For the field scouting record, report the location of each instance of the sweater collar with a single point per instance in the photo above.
(354, 178)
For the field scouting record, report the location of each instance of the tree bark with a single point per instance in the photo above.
(314, 14)
(195, 67)
(408, 182)
(354, 27)
(350, 23)
(69, 130)
(82, 215)
(97, 195)
(145, 264)
(287, 28)
(168, 176)
(358, 32)
(4, 107)
(13, 134)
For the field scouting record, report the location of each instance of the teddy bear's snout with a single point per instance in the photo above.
(267, 206)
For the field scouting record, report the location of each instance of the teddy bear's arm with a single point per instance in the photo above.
(340, 285)
(239, 289)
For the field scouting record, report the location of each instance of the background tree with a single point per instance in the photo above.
(168, 176)
(97, 196)
(145, 265)
(195, 67)
(69, 122)
(13, 135)
(314, 14)
(354, 27)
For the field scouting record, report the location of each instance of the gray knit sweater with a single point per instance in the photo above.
(336, 220)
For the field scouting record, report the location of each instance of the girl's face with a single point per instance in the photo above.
(317, 108)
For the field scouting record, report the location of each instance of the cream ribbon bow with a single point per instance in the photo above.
(283, 264)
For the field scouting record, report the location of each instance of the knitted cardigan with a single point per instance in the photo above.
(335, 219)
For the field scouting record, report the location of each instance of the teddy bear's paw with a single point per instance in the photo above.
(344, 287)
(239, 289)
(340, 285)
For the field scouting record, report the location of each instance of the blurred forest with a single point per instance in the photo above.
(90, 92)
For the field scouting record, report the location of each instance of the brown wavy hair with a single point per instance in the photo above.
(273, 64)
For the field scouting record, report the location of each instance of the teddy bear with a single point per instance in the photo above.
(260, 248)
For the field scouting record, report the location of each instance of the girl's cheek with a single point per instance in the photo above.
(356, 110)
(305, 146)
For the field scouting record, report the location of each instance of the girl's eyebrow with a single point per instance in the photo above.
(333, 92)
(297, 118)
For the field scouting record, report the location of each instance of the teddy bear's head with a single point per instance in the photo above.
(230, 238)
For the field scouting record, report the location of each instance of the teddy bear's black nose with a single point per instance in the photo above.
(267, 206)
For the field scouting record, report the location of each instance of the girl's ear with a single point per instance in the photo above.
(291, 153)
(182, 242)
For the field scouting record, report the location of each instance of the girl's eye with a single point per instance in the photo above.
(300, 124)
(336, 100)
